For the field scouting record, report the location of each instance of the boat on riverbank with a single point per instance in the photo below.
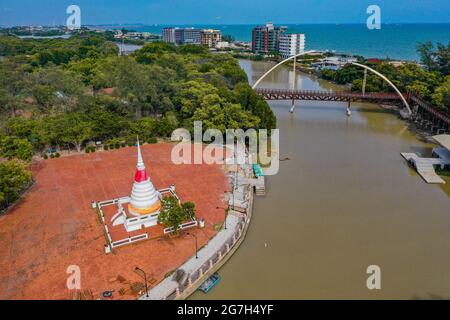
(210, 283)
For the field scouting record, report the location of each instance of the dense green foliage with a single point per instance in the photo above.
(173, 214)
(431, 81)
(14, 178)
(67, 93)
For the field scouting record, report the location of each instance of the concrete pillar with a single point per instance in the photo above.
(293, 86)
(228, 247)
(189, 281)
(210, 264)
(220, 255)
(364, 82)
(349, 111)
(177, 292)
(201, 272)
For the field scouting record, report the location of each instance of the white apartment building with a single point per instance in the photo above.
(291, 44)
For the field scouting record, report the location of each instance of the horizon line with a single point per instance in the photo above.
(221, 24)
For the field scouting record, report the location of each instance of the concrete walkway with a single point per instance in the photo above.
(168, 285)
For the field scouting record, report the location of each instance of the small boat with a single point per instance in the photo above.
(210, 283)
(258, 171)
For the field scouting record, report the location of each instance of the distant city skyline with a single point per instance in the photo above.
(182, 12)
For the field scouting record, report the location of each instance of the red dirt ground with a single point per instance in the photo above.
(54, 226)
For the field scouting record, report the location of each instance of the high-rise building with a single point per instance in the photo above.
(291, 44)
(181, 36)
(191, 36)
(169, 34)
(266, 39)
(210, 37)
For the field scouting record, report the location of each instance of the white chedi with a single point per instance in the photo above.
(144, 198)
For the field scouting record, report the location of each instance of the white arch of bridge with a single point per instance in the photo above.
(353, 63)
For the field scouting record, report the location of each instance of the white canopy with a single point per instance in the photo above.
(443, 140)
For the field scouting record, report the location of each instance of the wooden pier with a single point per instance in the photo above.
(425, 167)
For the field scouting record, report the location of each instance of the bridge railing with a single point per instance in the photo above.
(429, 108)
(328, 93)
(358, 95)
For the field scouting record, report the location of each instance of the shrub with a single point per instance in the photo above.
(123, 144)
(117, 145)
(57, 155)
(106, 147)
(45, 156)
(52, 156)
(152, 140)
(112, 146)
(87, 150)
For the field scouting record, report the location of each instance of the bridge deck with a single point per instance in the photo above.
(286, 94)
(371, 97)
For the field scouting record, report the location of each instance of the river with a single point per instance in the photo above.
(345, 200)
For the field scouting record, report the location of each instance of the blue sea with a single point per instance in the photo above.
(396, 41)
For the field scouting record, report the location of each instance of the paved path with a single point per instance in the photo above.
(168, 286)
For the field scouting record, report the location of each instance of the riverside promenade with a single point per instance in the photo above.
(189, 276)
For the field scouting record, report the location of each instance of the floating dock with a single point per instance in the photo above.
(425, 167)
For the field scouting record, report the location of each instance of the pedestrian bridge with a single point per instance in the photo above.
(343, 96)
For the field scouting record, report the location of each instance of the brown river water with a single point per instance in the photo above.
(345, 200)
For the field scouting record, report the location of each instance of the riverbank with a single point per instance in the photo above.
(346, 199)
(188, 277)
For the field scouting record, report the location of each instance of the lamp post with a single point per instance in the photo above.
(226, 213)
(196, 244)
(145, 279)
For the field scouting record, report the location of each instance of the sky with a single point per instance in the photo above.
(149, 12)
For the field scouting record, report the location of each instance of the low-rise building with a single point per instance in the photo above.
(334, 62)
(222, 45)
(210, 37)
(180, 36)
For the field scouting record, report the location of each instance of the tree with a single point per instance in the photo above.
(77, 129)
(56, 87)
(14, 178)
(13, 86)
(435, 58)
(244, 95)
(67, 129)
(224, 115)
(228, 38)
(190, 96)
(13, 147)
(145, 128)
(441, 97)
(172, 214)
